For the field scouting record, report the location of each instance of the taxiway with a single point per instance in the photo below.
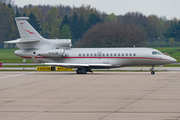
(97, 96)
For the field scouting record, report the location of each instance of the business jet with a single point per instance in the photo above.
(58, 52)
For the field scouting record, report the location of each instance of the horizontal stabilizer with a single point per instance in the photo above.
(22, 41)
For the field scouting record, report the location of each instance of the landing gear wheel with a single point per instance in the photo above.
(78, 71)
(81, 71)
(152, 72)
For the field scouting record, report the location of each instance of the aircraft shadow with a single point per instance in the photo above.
(94, 73)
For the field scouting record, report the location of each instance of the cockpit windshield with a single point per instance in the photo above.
(156, 53)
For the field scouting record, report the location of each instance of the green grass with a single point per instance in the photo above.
(8, 56)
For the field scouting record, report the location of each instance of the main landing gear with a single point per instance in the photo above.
(83, 70)
(152, 70)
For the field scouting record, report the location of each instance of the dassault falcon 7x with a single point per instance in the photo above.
(56, 52)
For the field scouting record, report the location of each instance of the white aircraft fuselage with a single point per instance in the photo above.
(59, 52)
(117, 57)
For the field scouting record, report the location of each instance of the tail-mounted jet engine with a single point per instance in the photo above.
(65, 43)
(52, 53)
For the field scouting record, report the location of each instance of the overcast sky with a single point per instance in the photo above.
(168, 8)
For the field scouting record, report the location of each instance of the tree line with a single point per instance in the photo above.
(88, 27)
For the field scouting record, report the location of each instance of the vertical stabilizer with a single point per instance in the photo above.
(26, 30)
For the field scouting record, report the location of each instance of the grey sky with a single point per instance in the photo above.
(168, 8)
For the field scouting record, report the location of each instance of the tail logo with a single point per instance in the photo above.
(29, 32)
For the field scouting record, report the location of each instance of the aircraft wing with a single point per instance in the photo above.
(75, 65)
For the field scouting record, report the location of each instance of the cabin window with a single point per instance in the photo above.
(94, 54)
(91, 54)
(134, 54)
(103, 55)
(115, 54)
(122, 54)
(126, 54)
(111, 54)
(87, 55)
(107, 54)
(79, 54)
(119, 54)
(83, 55)
(130, 54)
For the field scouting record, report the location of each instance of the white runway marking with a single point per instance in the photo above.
(15, 75)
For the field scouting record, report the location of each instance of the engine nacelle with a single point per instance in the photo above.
(52, 53)
(61, 43)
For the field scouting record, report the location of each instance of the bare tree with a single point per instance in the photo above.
(113, 35)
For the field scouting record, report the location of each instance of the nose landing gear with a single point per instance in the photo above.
(152, 70)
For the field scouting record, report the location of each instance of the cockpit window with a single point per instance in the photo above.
(156, 52)
(159, 53)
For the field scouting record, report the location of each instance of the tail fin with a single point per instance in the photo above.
(26, 30)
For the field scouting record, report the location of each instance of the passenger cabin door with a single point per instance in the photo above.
(99, 55)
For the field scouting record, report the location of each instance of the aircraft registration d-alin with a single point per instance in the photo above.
(58, 52)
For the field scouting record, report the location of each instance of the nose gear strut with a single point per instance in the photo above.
(152, 70)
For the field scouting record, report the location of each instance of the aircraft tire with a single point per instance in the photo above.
(152, 72)
(79, 71)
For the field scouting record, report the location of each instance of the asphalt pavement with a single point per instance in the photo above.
(122, 68)
(161, 68)
(31, 95)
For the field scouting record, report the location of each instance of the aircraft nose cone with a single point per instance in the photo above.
(172, 60)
